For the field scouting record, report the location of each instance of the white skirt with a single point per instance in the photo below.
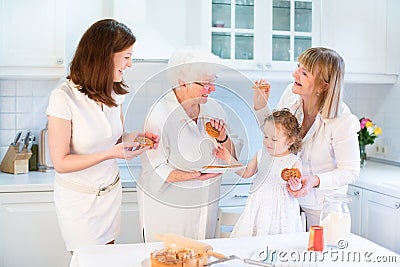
(88, 219)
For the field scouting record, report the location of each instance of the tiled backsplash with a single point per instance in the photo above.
(23, 104)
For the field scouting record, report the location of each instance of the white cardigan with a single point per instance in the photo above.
(329, 149)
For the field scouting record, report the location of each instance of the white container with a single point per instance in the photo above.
(336, 219)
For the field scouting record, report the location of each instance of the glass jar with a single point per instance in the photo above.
(335, 219)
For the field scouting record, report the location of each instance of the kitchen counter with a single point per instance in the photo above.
(375, 176)
(43, 181)
(285, 249)
(380, 178)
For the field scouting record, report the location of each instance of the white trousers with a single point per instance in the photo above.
(312, 217)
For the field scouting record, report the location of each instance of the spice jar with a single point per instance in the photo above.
(335, 218)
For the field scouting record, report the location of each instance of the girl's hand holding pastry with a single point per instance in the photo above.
(261, 93)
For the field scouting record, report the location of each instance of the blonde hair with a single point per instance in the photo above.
(289, 124)
(328, 67)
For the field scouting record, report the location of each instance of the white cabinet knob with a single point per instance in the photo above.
(60, 61)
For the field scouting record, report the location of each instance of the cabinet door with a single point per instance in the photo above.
(130, 219)
(357, 30)
(355, 193)
(263, 33)
(32, 33)
(29, 231)
(381, 218)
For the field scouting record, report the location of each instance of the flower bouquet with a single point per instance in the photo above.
(366, 136)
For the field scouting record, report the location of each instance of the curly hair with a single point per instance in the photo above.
(289, 124)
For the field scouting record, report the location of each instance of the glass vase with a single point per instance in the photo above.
(363, 156)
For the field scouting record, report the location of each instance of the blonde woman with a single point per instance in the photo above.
(330, 154)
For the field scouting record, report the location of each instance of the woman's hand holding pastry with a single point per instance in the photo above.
(218, 126)
(134, 144)
(261, 93)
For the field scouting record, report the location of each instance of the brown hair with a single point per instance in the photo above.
(289, 124)
(92, 67)
(328, 67)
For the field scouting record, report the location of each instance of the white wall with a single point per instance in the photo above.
(23, 104)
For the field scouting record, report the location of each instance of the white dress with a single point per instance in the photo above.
(187, 208)
(87, 219)
(270, 209)
(329, 149)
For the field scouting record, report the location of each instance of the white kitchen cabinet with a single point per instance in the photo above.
(260, 34)
(30, 235)
(29, 231)
(380, 219)
(361, 31)
(130, 219)
(234, 196)
(355, 193)
(32, 35)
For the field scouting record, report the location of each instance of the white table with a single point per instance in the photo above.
(289, 246)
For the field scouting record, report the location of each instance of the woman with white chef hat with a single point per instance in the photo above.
(174, 196)
(330, 154)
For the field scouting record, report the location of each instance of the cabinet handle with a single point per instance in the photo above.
(356, 193)
(240, 196)
(397, 205)
(60, 61)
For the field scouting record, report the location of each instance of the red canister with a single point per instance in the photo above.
(316, 239)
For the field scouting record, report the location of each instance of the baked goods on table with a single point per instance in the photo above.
(144, 141)
(187, 252)
(168, 257)
(287, 173)
(211, 130)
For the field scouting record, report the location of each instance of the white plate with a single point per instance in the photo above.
(222, 169)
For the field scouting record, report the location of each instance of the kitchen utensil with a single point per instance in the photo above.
(16, 138)
(30, 143)
(248, 261)
(21, 145)
(26, 142)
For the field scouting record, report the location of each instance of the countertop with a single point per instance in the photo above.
(375, 176)
(380, 178)
(283, 250)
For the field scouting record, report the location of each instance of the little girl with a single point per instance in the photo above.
(270, 209)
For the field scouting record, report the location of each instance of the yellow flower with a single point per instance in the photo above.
(377, 131)
(369, 124)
